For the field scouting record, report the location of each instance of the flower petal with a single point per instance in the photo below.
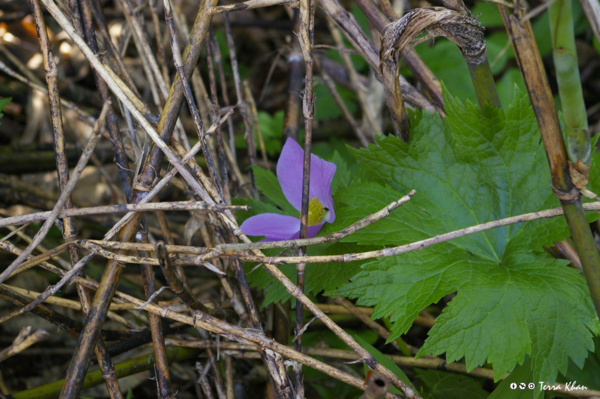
(289, 173)
(273, 226)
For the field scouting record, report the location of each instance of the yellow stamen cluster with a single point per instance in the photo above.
(316, 212)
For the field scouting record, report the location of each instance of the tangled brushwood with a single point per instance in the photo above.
(292, 199)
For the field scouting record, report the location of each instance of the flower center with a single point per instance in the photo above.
(316, 212)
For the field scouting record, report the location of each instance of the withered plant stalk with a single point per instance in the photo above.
(534, 75)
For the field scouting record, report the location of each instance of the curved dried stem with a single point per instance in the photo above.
(431, 85)
(461, 29)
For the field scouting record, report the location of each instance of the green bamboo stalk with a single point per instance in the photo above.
(569, 82)
(94, 378)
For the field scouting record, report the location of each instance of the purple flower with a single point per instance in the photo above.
(277, 227)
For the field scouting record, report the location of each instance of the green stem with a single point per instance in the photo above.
(585, 246)
(483, 82)
(569, 83)
(93, 378)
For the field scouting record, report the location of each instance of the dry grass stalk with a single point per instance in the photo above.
(110, 209)
(306, 41)
(229, 377)
(63, 197)
(85, 28)
(162, 372)
(358, 88)
(406, 361)
(534, 75)
(178, 61)
(252, 105)
(364, 222)
(67, 303)
(592, 12)
(379, 329)
(415, 246)
(249, 5)
(177, 286)
(340, 103)
(424, 319)
(213, 104)
(23, 341)
(69, 230)
(241, 105)
(293, 101)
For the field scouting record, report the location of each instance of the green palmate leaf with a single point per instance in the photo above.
(513, 299)
(589, 374)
